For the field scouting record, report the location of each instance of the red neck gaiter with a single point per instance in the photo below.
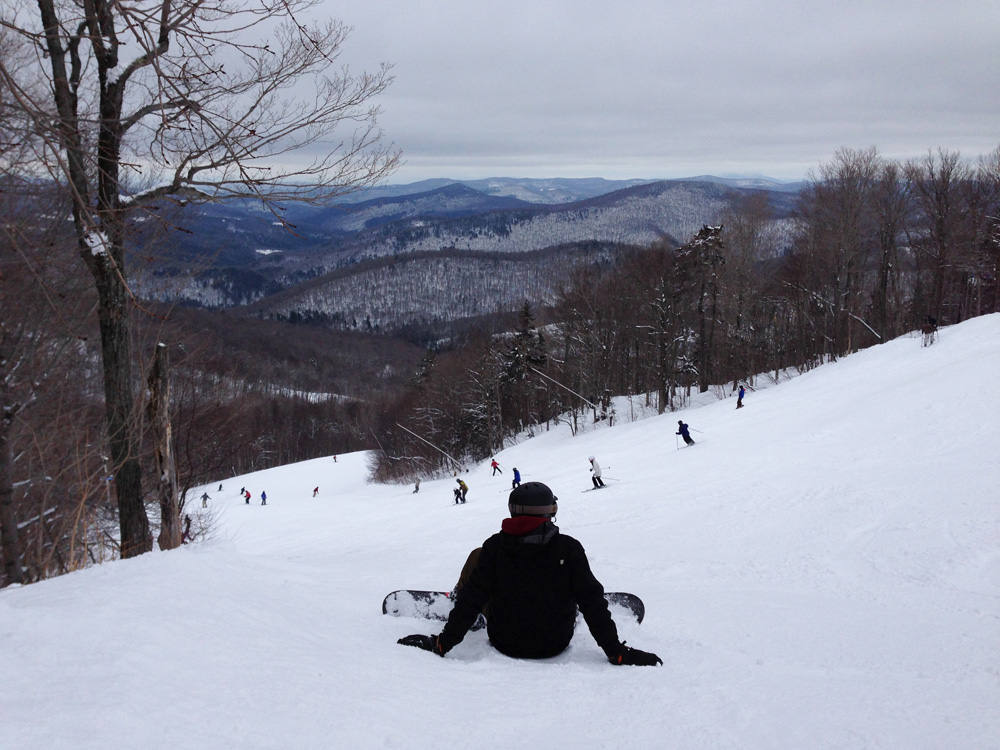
(521, 525)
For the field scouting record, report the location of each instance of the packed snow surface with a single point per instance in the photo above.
(820, 571)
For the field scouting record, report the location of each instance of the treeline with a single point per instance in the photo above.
(878, 247)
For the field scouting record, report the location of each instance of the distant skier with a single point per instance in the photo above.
(416, 486)
(739, 398)
(929, 330)
(204, 500)
(463, 490)
(532, 580)
(243, 490)
(496, 467)
(596, 468)
(315, 491)
(263, 498)
(246, 494)
(683, 432)
(220, 488)
(517, 479)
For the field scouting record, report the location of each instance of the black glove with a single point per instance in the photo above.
(633, 657)
(426, 642)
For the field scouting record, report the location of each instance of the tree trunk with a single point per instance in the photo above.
(116, 355)
(13, 566)
(166, 469)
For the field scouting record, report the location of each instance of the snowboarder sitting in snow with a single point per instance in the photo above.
(683, 432)
(531, 579)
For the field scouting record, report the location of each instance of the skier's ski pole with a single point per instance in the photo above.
(677, 442)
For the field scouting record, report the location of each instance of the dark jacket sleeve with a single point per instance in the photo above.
(589, 594)
(471, 599)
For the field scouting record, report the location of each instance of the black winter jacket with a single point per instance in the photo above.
(533, 583)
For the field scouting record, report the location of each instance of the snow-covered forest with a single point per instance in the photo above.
(639, 216)
(235, 257)
(430, 290)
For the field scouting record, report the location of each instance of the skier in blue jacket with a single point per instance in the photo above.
(517, 479)
(683, 432)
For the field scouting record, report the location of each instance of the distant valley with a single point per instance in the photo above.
(404, 256)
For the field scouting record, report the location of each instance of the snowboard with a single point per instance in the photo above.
(436, 605)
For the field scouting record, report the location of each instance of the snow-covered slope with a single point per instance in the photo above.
(821, 571)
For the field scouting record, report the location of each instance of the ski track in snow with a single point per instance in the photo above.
(824, 572)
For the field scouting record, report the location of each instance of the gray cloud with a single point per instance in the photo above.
(667, 89)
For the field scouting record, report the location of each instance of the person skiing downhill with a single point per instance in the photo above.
(263, 498)
(517, 479)
(596, 468)
(683, 432)
(496, 467)
(530, 579)
(246, 494)
(739, 397)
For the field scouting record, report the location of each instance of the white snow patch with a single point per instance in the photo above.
(97, 242)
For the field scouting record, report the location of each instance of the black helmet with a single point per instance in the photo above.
(532, 499)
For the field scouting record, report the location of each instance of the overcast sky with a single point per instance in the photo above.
(665, 88)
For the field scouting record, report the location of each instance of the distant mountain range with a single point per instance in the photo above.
(420, 254)
(558, 190)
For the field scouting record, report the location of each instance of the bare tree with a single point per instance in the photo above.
(163, 452)
(124, 102)
(891, 204)
(44, 387)
(937, 184)
(748, 229)
(840, 237)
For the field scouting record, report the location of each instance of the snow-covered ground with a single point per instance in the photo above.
(821, 571)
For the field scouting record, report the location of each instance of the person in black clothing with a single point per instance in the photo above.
(682, 430)
(530, 579)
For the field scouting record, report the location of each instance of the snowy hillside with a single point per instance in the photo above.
(420, 289)
(822, 570)
(639, 216)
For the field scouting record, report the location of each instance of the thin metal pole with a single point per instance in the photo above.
(428, 443)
